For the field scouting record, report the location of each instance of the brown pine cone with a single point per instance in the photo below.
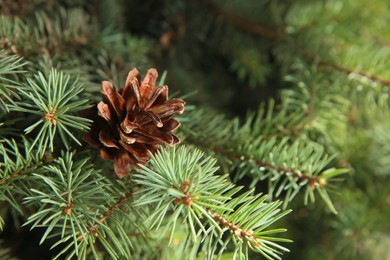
(131, 122)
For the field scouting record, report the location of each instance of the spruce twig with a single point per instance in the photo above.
(301, 176)
(107, 214)
(344, 70)
(271, 33)
(181, 183)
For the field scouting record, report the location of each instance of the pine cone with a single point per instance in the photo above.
(131, 122)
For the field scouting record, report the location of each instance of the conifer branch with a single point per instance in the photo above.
(52, 34)
(273, 34)
(349, 71)
(180, 182)
(16, 165)
(54, 99)
(288, 165)
(21, 172)
(301, 176)
(10, 67)
(344, 70)
(71, 194)
(107, 214)
(236, 230)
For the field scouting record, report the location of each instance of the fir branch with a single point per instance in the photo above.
(344, 70)
(54, 99)
(288, 165)
(68, 196)
(53, 33)
(115, 232)
(181, 182)
(10, 66)
(273, 34)
(16, 165)
(239, 231)
(289, 118)
(246, 232)
(300, 175)
(1, 220)
(105, 215)
(12, 33)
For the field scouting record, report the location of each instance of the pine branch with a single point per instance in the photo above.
(344, 70)
(107, 214)
(70, 199)
(55, 100)
(181, 182)
(10, 67)
(68, 196)
(1, 220)
(288, 165)
(301, 176)
(53, 33)
(273, 34)
(16, 165)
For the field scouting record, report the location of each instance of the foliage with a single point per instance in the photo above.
(289, 99)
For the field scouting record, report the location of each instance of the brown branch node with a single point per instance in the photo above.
(50, 117)
(187, 199)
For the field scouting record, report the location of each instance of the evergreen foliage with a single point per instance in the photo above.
(287, 107)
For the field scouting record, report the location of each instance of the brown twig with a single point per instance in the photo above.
(107, 214)
(19, 173)
(271, 33)
(234, 229)
(300, 175)
(350, 71)
(325, 64)
(276, 33)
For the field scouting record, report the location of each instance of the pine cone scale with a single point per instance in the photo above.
(92, 139)
(105, 155)
(159, 137)
(144, 139)
(139, 151)
(171, 107)
(106, 138)
(127, 126)
(148, 87)
(104, 111)
(126, 138)
(171, 125)
(115, 100)
(122, 162)
(161, 90)
(136, 94)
